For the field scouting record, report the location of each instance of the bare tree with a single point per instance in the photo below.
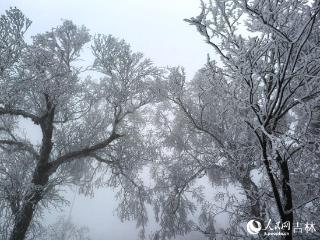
(276, 72)
(207, 138)
(65, 229)
(85, 124)
(258, 107)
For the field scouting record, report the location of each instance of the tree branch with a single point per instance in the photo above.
(21, 146)
(18, 112)
(85, 152)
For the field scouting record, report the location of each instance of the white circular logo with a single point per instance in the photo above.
(253, 227)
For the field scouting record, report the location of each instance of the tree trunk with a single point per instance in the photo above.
(40, 178)
(22, 223)
(256, 210)
(284, 201)
(287, 195)
(24, 218)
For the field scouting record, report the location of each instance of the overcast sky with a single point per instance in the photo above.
(154, 27)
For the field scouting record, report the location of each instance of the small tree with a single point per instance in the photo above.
(65, 229)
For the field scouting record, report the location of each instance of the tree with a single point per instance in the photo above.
(65, 229)
(252, 116)
(207, 138)
(87, 126)
(275, 71)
